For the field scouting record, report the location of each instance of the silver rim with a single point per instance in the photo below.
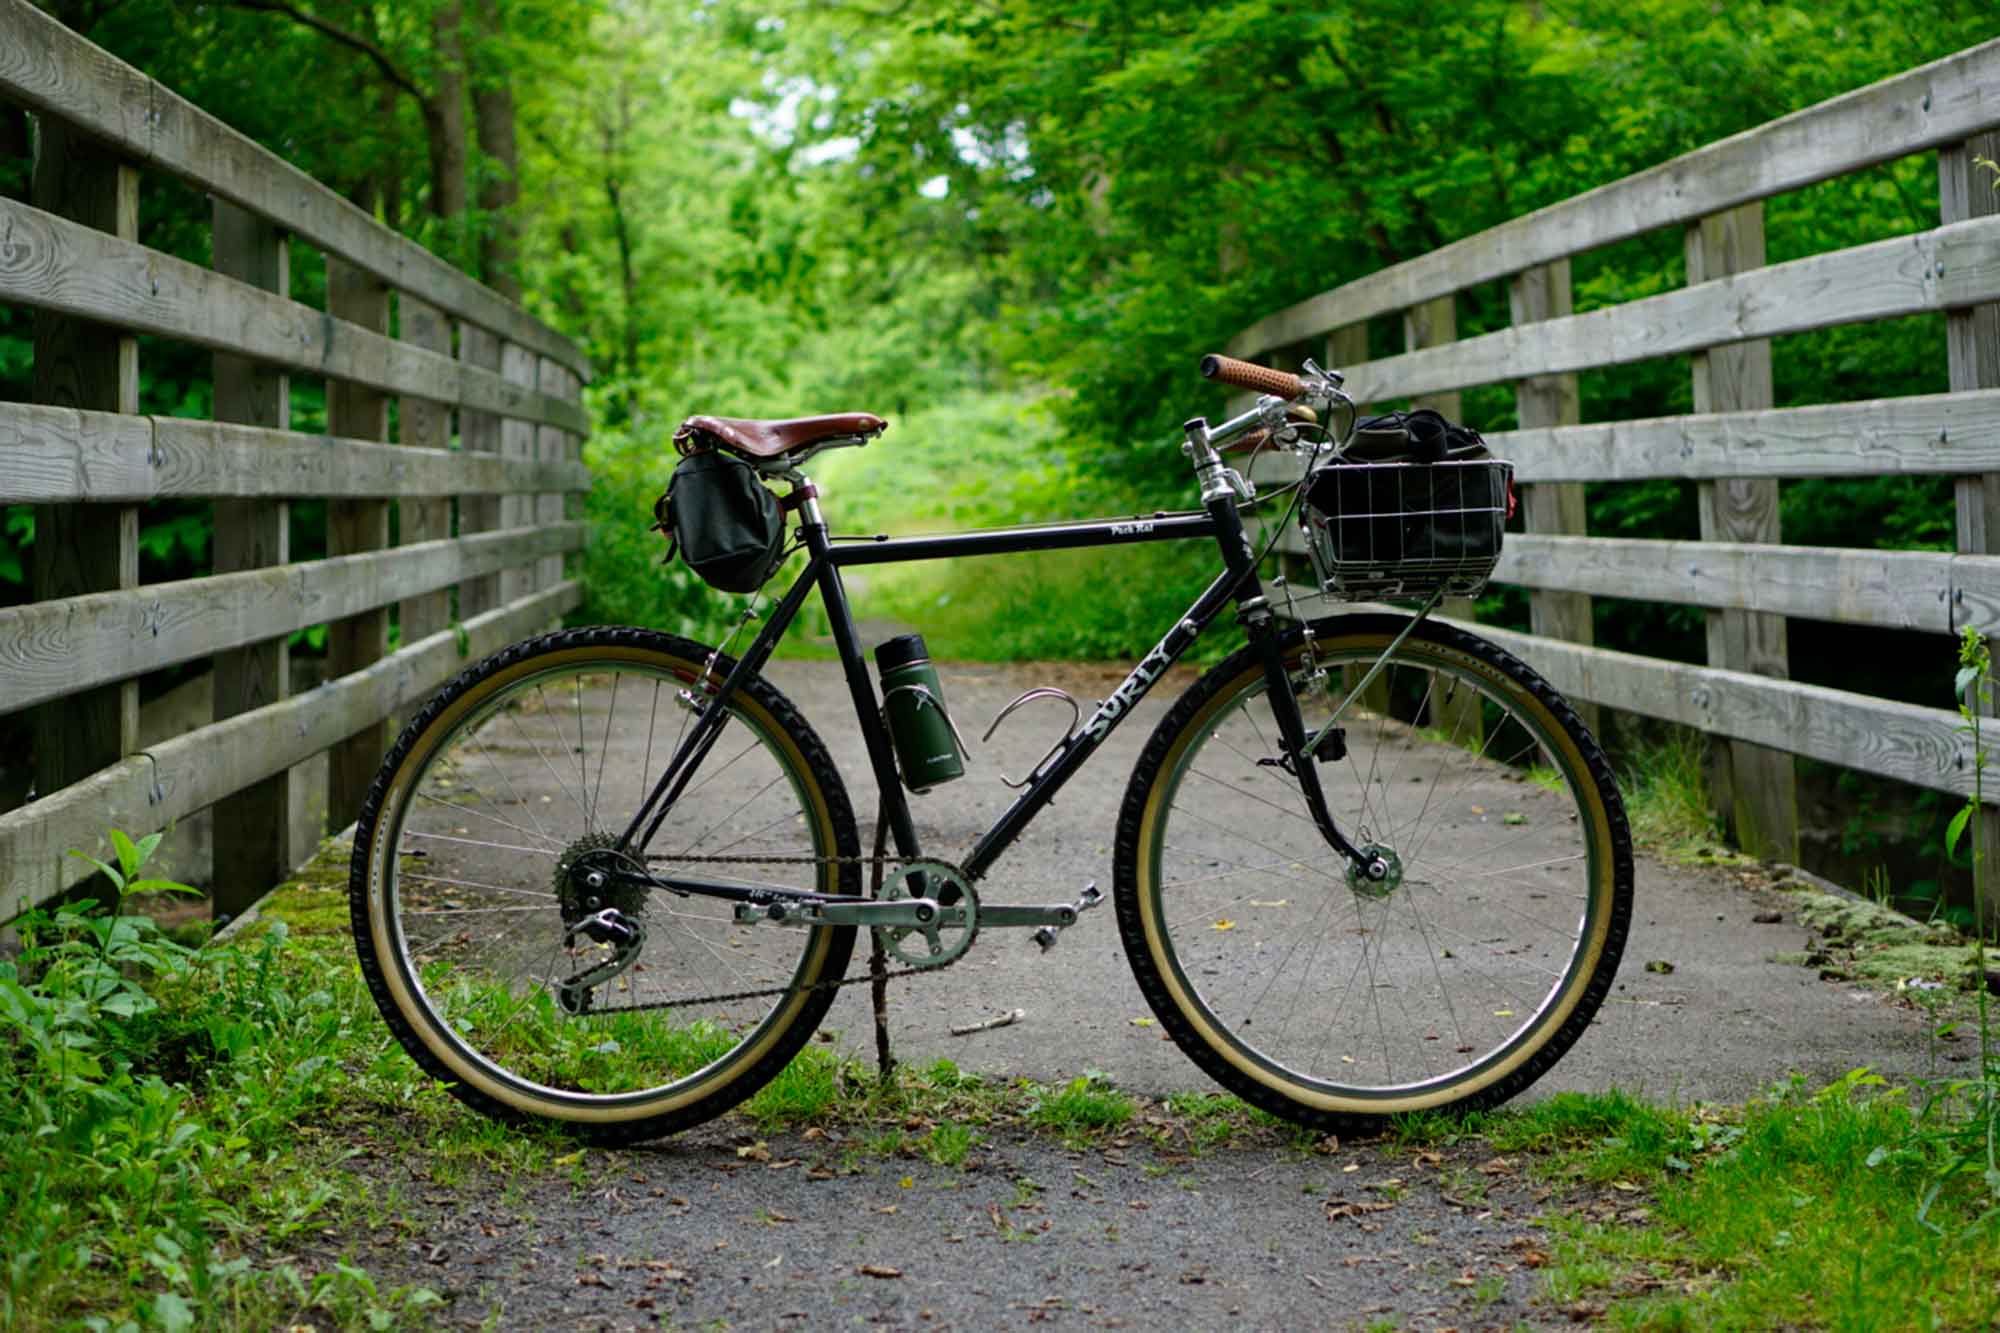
(1445, 975)
(554, 762)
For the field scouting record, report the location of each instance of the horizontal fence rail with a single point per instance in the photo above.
(479, 478)
(1736, 446)
(1939, 104)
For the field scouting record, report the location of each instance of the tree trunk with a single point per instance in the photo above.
(444, 115)
(499, 185)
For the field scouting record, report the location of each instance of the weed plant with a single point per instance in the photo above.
(1666, 794)
(151, 1104)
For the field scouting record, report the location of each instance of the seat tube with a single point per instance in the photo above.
(867, 708)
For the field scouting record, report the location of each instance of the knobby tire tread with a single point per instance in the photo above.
(1147, 774)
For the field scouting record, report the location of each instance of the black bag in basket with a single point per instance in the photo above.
(724, 522)
(1407, 494)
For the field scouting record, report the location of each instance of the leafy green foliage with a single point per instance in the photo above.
(150, 1098)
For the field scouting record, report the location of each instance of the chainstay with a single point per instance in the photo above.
(837, 982)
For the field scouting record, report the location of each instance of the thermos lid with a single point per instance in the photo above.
(900, 652)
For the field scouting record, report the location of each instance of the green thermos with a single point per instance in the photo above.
(928, 749)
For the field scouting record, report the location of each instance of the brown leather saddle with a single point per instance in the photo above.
(767, 440)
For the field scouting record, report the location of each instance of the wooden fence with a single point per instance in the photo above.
(1735, 444)
(482, 525)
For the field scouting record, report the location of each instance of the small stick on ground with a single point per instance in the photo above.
(1008, 1019)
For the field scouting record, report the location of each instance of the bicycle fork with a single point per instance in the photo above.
(1220, 489)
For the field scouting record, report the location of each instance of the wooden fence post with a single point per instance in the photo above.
(552, 447)
(1972, 349)
(84, 548)
(1429, 325)
(1536, 294)
(356, 412)
(253, 847)
(517, 440)
(421, 421)
(1345, 347)
(478, 433)
(1755, 788)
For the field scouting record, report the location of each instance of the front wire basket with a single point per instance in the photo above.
(1401, 530)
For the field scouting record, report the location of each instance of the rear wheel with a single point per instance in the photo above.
(474, 929)
(1336, 999)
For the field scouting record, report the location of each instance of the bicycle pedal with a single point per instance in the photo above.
(1046, 937)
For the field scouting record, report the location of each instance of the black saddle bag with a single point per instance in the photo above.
(723, 521)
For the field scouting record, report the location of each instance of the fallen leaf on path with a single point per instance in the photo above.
(1661, 966)
(878, 1270)
(755, 1152)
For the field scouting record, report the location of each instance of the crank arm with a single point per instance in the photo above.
(903, 913)
(1058, 915)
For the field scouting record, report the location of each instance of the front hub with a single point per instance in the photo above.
(1379, 872)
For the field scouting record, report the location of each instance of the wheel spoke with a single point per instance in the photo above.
(1397, 990)
(485, 934)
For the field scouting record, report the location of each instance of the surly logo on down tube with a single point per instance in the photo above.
(1136, 684)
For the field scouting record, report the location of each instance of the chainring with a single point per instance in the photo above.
(940, 943)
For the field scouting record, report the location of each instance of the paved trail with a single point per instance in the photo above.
(804, 1232)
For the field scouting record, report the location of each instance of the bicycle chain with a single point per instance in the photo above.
(836, 984)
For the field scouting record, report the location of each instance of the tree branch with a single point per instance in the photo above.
(389, 68)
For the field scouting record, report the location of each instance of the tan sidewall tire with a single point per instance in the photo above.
(1232, 1061)
(478, 1082)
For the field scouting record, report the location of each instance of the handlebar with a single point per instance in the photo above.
(1245, 375)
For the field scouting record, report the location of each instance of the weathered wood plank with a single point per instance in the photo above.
(517, 440)
(1537, 298)
(80, 364)
(1433, 324)
(253, 846)
(1935, 104)
(552, 445)
(1912, 590)
(427, 425)
(1972, 357)
(1957, 264)
(59, 455)
(478, 434)
(1930, 433)
(1895, 740)
(55, 265)
(48, 68)
(356, 642)
(50, 649)
(178, 777)
(1754, 789)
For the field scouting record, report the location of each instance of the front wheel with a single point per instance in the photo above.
(1335, 999)
(480, 932)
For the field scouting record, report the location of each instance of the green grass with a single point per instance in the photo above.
(1665, 785)
(1811, 1214)
(175, 1122)
(1084, 1106)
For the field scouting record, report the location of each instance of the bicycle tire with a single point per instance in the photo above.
(465, 927)
(1334, 1001)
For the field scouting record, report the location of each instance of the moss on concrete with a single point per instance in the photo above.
(1866, 941)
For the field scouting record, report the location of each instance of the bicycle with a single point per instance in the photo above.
(636, 949)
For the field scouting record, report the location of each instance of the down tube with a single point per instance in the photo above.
(1103, 722)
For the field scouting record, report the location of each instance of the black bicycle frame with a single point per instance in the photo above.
(829, 555)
